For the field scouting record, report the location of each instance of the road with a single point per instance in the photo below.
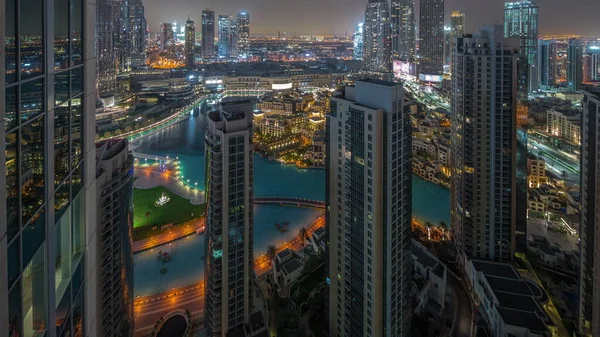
(173, 234)
(557, 161)
(149, 309)
(464, 315)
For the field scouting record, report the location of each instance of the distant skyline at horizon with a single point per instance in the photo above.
(270, 16)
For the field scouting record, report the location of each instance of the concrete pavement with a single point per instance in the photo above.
(178, 232)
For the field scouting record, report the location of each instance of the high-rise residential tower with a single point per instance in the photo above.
(107, 46)
(208, 33)
(114, 204)
(574, 64)
(403, 29)
(48, 165)
(137, 34)
(589, 232)
(368, 216)
(167, 36)
(592, 64)
(456, 29)
(190, 43)
(547, 63)
(229, 192)
(521, 21)
(358, 42)
(233, 37)
(224, 35)
(377, 37)
(243, 34)
(431, 40)
(483, 182)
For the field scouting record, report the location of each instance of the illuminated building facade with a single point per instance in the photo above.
(224, 35)
(431, 40)
(592, 64)
(243, 34)
(547, 60)
(137, 34)
(403, 29)
(521, 21)
(167, 36)
(483, 179)
(108, 15)
(456, 29)
(48, 165)
(233, 37)
(190, 43)
(589, 233)
(368, 213)
(377, 37)
(574, 65)
(208, 33)
(358, 42)
(229, 262)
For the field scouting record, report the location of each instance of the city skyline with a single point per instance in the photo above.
(270, 17)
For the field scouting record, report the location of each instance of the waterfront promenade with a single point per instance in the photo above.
(149, 309)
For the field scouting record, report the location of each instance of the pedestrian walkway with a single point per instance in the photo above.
(147, 178)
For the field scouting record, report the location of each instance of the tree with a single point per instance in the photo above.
(444, 227)
(303, 234)
(147, 215)
(428, 226)
(271, 253)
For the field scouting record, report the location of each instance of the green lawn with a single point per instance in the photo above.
(176, 211)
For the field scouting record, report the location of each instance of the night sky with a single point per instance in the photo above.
(306, 17)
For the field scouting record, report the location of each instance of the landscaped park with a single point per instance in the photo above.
(156, 207)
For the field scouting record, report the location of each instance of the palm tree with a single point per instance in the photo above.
(147, 214)
(428, 226)
(303, 234)
(444, 227)
(271, 253)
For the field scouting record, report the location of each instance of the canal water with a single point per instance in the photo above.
(185, 140)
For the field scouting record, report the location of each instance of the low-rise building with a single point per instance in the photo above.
(430, 277)
(536, 172)
(287, 268)
(316, 153)
(509, 303)
(564, 124)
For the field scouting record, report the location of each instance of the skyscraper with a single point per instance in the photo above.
(483, 182)
(589, 233)
(137, 34)
(403, 29)
(167, 36)
(190, 43)
(547, 62)
(233, 37)
(107, 42)
(224, 35)
(592, 64)
(456, 29)
(377, 37)
(574, 64)
(229, 192)
(521, 22)
(48, 171)
(368, 213)
(114, 204)
(243, 34)
(358, 42)
(431, 37)
(208, 33)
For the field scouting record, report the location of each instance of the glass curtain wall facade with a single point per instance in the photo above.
(521, 21)
(208, 33)
(224, 35)
(403, 29)
(377, 37)
(243, 34)
(431, 38)
(47, 101)
(190, 43)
